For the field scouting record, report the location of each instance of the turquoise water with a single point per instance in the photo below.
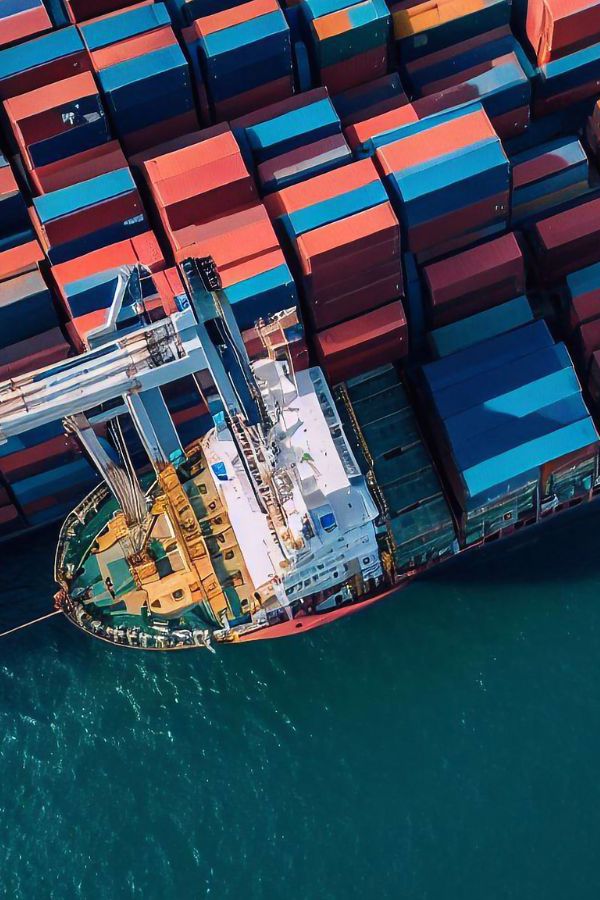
(445, 744)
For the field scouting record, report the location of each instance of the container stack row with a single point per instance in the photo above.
(20, 250)
(45, 474)
(144, 75)
(547, 177)
(512, 425)
(241, 58)
(583, 318)
(449, 179)
(348, 42)
(208, 206)
(19, 21)
(287, 142)
(388, 443)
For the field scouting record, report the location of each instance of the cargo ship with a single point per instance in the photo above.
(297, 300)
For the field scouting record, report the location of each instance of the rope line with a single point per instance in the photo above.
(57, 612)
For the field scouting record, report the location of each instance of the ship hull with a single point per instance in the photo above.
(301, 625)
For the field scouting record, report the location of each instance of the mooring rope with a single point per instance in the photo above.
(56, 612)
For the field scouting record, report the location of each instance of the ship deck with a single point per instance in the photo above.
(102, 581)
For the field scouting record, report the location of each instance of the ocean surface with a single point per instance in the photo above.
(444, 745)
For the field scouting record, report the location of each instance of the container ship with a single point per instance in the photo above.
(297, 299)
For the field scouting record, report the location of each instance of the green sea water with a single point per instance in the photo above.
(444, 745)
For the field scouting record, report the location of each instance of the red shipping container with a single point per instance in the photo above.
(332, 243)
(567, 241)
(234, 239)
(439, 140)
(322, 187)
(588, 341)
(197, 182)
(39, 458)
(35, 353)
(354, 347)
(166, 130)
(357, 70)
(133, 47)
(372, 260)
(356, 300)
(475, 279)
(584, 308)
(204, 192)
(459, 229)
(21, 259)
(297, 161)
(80, 167)
(47, 73)
(39, 114)
(556, 28)
(357, 135)
(24, 24)
(257, 98)
(143, 248)
(178, 143)
(88, 220)
(82, 10)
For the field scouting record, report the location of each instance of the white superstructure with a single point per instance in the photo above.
(298, 503)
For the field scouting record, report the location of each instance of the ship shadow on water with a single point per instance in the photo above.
(27, 577)
(564, 548)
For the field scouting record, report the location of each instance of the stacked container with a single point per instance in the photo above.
(371, 99)
(84, 270)
(564, 82)
(143, 74)
(509, 418)
(22, 20)
(208, 206)
(480, 326)
(364, 135)
(373, 338)
(46, 472)
(583, 293)
(90, 303)
(82, 10)
(592, 131)
(474, 280)
(545, 178)
(345, 239)
(422, 27)
(45, 60)
(556, 29)
(348, 42)
(565, 241)
(83, 217)
(19, 248)
(449, 180)
(30, 334)
(243, 57)
(63, 121)
(292, 140)
(420, 523)
(491, 67)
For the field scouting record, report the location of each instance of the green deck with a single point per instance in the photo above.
(420, 521)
